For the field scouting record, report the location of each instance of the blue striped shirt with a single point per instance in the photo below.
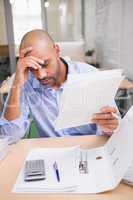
(42, 102)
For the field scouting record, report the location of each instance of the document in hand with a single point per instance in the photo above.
(86, 94)
(105, 166)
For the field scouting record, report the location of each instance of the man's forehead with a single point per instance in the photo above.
(38, 53)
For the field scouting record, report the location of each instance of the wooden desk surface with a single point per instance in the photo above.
(126, 84)
(10, 167)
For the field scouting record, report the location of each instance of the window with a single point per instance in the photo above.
(26, 16)
(63, 19)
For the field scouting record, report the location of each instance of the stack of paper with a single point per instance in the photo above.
(86, 94)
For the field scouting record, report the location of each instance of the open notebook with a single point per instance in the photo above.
(106, 165)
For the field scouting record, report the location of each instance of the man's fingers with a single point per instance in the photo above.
(108, 109)
(24, 51)
(103, 116)
(106, 119)
(108, 128)
(32, 64)
(106, 122)
(38, 60)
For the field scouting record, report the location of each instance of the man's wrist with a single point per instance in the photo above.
(17, 84)
(107, 132)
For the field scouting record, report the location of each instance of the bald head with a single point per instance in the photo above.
(35, 38)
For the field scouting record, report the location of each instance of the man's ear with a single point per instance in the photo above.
(57, 49)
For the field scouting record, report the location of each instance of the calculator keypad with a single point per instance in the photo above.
(34, 170)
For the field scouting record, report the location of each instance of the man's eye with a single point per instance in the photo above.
(32, 70)
(44, 65)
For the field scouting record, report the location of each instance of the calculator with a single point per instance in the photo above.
(34, 170)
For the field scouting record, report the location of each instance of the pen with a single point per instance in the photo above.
(56, 171)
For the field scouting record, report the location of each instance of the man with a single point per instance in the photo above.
(39, 79)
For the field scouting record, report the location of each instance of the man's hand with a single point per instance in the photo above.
(25, 63)
(106, 119)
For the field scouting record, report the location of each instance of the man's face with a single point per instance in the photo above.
(49, 72)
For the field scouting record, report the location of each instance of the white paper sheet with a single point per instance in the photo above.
(120, 147)
(85, 95)
(65, 157)
(100, 175)
(117, 156)
(128, 177)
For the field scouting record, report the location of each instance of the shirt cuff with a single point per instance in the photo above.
(99, 131)
(18, 122)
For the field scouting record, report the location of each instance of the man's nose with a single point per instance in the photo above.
(41, 73)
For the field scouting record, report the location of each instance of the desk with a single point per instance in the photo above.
(126, 84)
(10, 167)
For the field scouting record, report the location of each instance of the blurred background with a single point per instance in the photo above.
(99, 32)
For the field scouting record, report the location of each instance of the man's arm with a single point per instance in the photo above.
(12, 110)
(14, 121)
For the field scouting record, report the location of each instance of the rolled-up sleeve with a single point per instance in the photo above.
(15, 129)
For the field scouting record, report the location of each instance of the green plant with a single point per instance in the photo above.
(89, 52)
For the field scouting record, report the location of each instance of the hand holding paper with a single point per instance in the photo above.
(86, 95)
(106, 119)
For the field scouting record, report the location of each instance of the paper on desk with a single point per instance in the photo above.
(100, 175)
(106, 164)
(120, 146)
(65, 157)
(116, 158)
(128, 176)
(85, 95)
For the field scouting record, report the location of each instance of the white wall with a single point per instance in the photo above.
(90, 23)
(108, 32)
(126, 58)
(3, 36)
(64, 20)
(109, 28)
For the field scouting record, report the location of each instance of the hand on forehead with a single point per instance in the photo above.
(39, 39)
